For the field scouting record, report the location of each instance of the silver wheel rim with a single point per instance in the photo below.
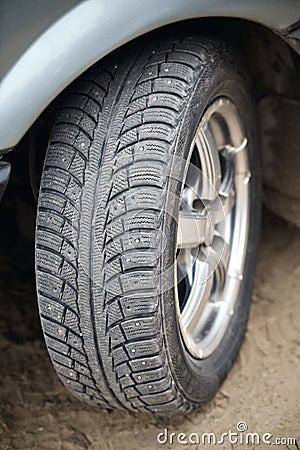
(213, 229)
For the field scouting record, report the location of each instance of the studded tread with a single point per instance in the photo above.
(98, 286)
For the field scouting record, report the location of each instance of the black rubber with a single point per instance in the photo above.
(104, 235)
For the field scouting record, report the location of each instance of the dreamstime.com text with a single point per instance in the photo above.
(240, 435)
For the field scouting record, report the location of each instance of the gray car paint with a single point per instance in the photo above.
(68, 45)
(21, 22)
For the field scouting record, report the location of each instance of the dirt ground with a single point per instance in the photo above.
(263, 389)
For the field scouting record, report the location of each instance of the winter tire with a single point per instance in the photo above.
(147, 226)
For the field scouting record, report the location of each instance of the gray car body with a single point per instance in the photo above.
(45, 45)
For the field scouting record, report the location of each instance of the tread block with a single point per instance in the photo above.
(120, 182)
(133, 305)
(146, 173)
(162, 397)
(72, 384)
(143, 348)
(123, 370)
(61, 156)
(75, 340)
(49, 239)
(141, 239)
(54, 329)
(49, 284)
(68, 252)
(133, 281)
(129, 137)
(70, 296)
(154, 387)
(193, 48)
(114, 286)
(83, 100)
(178, 70)
(168, 407)
(116, 336)
(68, 271)
(150, 147)
(76, 116)
(78, 357)
(185, 58)
(142, 219)
(138, 403)
(144, 259)
(131, 392)
(48, 260)
(113, 249)
(157, 57)
(80, 368)
(150, 73)
(132, 121)
(142, 89)
(62, 359)
(114, 313)
(56, 180)
(126, 381)
(119, 355)
(88, 85)
(165, 115)
(139, 198)
(51, 200)
(113, 268)
(137, 105)
(86, 381)
(71, 320)
(173, 87)
(151, 375)
(161, 99)
(77, 168)
(140, 327)
(114, 229)
(58, 346)
(159, 130)
(152, 362)
(52, 309)
(67, 372)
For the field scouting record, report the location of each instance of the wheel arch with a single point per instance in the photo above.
(88, 33)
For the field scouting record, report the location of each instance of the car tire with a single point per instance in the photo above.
(147, 226)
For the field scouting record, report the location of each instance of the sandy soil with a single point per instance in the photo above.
(263, 389)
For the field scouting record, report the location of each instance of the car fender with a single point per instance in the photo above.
(93, 28)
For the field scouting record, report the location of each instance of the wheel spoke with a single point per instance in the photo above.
(191, 191)
(185, 263)
(217, 257)
(192, 229)
(221, 207)
(198, 298)
(210, 165)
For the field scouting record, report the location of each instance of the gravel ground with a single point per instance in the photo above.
(263, 389)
